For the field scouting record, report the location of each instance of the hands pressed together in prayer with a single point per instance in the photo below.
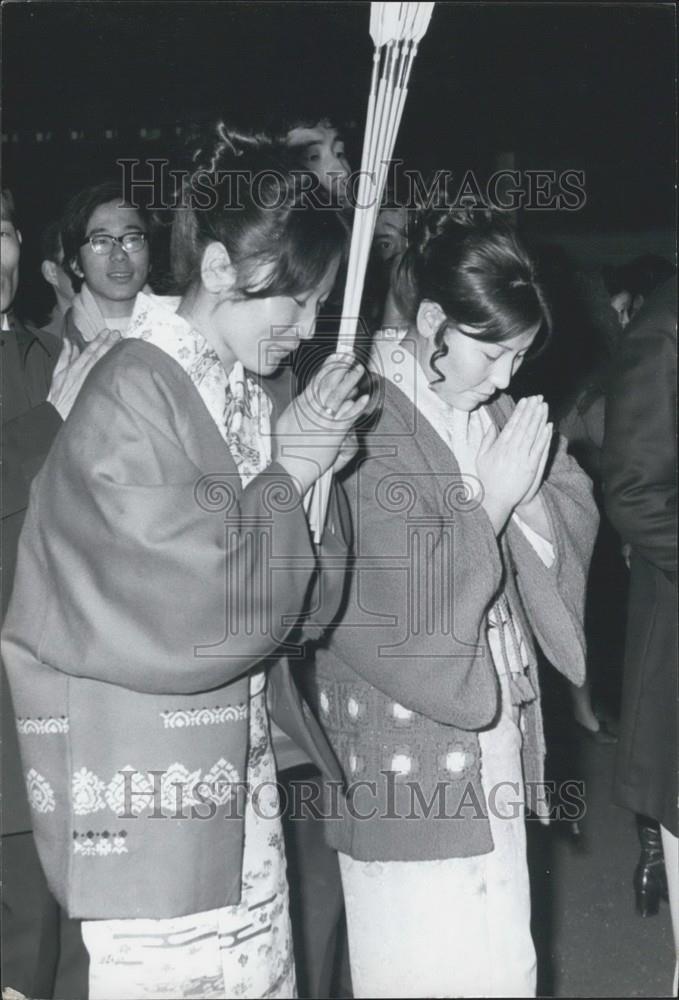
(314, 432)
(511, 464)
(73, 367)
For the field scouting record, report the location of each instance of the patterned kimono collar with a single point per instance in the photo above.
(237, 404)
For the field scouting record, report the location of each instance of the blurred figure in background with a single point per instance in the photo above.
(583, 425)
(581, 421)
(630, 285)
(640, 490)
(52, 270)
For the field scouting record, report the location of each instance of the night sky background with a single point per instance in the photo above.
(578, 86)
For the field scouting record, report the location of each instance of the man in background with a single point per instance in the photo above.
(640, 493)
(39, 386)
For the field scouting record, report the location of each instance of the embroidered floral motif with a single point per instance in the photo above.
(177, 784)
(129, 791)
(40, 792)
(87, 792)
(244, 949)
(181, 717)
(221, 777)
(47, 726)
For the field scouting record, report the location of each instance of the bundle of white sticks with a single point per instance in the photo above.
(396, 30)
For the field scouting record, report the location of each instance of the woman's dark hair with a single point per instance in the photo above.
(244, 193)
(77, 215)
(640, 276)
(472, 264)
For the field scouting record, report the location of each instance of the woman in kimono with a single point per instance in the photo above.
(473, 534)
(165, 558)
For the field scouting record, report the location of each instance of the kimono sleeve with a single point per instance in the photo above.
(423, 578)
(161, 575)
(554, 596)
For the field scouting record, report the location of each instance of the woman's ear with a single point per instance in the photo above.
(430, 317)
(216, 270)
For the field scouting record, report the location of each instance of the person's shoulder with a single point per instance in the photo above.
(390, 411)
(134, 371)
(130, 354)
(29, 331)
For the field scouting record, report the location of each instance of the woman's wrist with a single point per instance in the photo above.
(534, 513)
(498, 511)
(299, 470)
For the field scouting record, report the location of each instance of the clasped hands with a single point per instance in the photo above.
(511, 463)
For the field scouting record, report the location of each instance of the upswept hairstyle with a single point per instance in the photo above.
(245, 193)
(473, 265)
(77, 215)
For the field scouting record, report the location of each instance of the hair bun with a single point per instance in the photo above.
(225, 147)
(429, 224)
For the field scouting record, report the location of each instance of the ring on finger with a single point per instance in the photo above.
(329, 412)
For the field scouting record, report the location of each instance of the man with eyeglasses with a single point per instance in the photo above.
(106, 256)
(39, 385)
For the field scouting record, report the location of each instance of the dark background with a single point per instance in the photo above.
(583, 86)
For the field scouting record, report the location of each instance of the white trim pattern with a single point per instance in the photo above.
(50, 725)
(182, 717)
(99, 845)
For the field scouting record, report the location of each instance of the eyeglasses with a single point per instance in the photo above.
(102, 243)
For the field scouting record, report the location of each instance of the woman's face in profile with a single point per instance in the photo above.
(474, 370)
(261, 333)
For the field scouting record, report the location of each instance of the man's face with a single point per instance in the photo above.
(321, 150)
(9, 264)
(114, 277)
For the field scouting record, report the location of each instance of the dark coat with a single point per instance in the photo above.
(29, 426)
(640, 492)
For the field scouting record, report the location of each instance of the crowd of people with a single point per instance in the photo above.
(237, 762)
